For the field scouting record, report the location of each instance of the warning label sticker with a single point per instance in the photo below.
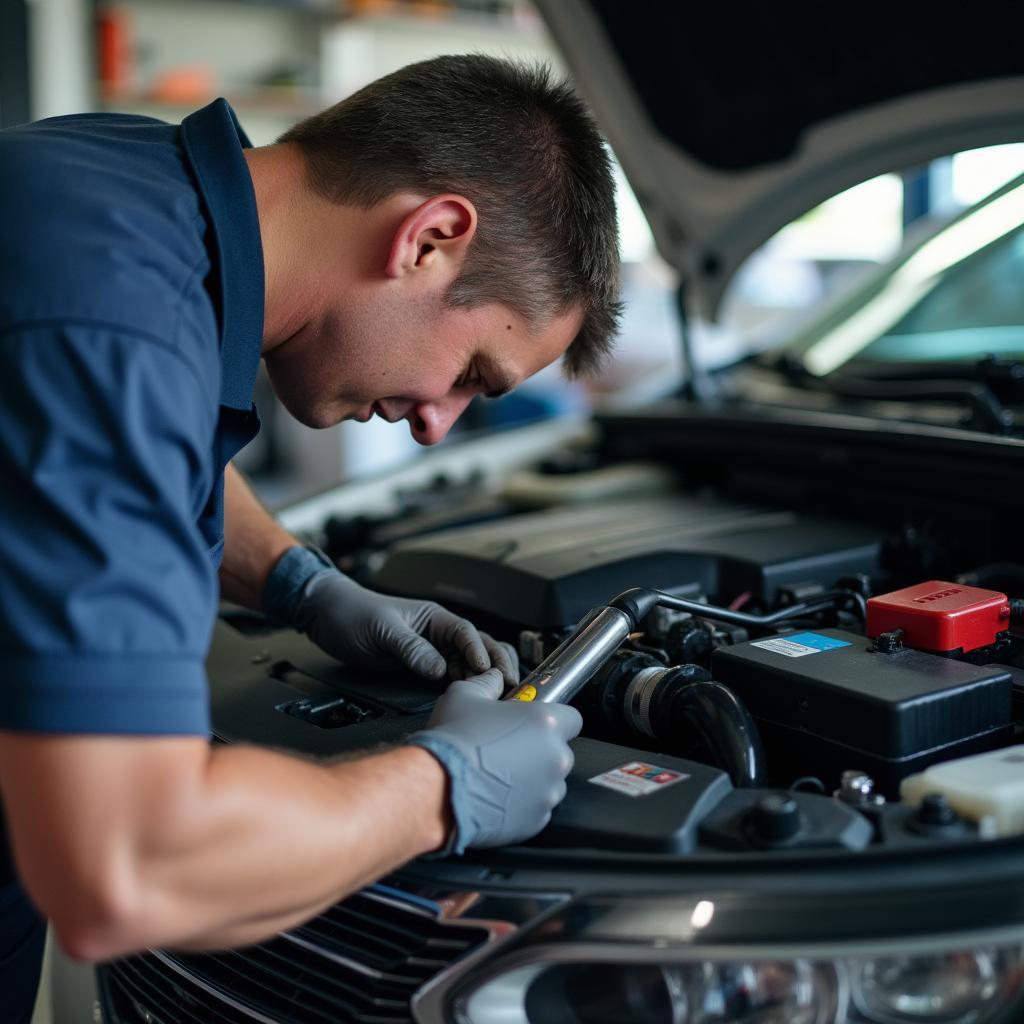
(637, 779)
(797, 645)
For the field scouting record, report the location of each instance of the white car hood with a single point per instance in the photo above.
(732, 119)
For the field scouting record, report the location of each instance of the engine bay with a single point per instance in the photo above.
(824, 682)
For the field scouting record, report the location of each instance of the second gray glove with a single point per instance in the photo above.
(361, 627)
(506, 760)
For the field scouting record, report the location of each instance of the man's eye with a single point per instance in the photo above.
(469, 379)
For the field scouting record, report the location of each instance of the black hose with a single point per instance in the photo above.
(721, 719)
(660, 702)
(639, 601)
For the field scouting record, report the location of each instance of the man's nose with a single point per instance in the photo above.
(429, 422)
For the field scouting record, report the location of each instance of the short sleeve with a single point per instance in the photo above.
(107, 594)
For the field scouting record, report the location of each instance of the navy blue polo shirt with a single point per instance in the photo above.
(131, 317)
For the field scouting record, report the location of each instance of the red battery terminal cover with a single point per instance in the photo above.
(938, 616)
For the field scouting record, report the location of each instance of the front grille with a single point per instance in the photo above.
(361, 961)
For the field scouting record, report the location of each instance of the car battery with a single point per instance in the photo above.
(829, 700)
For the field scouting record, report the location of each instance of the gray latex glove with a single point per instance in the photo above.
(506, 760)
(361, 627)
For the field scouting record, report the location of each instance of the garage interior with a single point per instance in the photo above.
(773, 546)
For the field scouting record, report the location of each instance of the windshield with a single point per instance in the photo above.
(977, 308)
(956, 297)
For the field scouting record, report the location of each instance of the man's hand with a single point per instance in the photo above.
(361, 627)
(265, 567)
(506, 760)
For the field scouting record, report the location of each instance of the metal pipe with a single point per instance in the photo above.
(561, 675)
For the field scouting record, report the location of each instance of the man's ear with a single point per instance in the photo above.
(434, 236)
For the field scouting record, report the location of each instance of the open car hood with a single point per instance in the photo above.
(732, 119)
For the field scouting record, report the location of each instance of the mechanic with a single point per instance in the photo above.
(447, 231)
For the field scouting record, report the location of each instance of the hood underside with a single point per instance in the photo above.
(732, 119)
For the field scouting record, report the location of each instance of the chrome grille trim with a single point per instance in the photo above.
(411, 944)
(168, 962)
(337, 958)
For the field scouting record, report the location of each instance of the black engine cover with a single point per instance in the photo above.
(545, 570)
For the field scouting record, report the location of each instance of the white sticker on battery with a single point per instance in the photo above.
(798, 645)
(637, 778)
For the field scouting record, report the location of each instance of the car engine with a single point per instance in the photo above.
(791, 684)
(797, 794)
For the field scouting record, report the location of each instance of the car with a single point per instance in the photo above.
(789, 601)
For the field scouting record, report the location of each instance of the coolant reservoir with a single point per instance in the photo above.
(985, 786)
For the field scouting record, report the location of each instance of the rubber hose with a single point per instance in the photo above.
(723, 722)
(659, 702)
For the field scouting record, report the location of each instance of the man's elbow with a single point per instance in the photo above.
(97, 825)
(100, 920)
(84, 942)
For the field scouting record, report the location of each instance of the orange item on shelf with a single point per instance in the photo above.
(115, 59)
(186, 85)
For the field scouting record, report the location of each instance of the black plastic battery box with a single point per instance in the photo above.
(827, 701)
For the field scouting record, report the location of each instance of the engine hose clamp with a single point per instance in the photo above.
(638, 698)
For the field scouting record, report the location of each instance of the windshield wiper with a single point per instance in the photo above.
(1003, 377)
(986, 412)
(980, 387)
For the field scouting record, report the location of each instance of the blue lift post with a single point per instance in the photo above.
(14, 73)
(928, 191)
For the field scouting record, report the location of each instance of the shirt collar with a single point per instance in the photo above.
(213, 141)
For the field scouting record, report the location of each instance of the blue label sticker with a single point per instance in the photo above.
(798, 645)
(818, 640)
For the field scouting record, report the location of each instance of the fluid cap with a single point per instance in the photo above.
(775, 818)
(935, 817)
(935, 811)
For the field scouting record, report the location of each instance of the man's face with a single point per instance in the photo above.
(421, 364)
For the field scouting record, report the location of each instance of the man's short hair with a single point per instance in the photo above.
(522, 148)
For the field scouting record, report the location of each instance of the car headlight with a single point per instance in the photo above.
(596, 966)
(955, 988)
(769, 993)
(980, 986)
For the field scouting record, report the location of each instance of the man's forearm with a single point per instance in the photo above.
(372, 815)
(253, 542)
(166, 842)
